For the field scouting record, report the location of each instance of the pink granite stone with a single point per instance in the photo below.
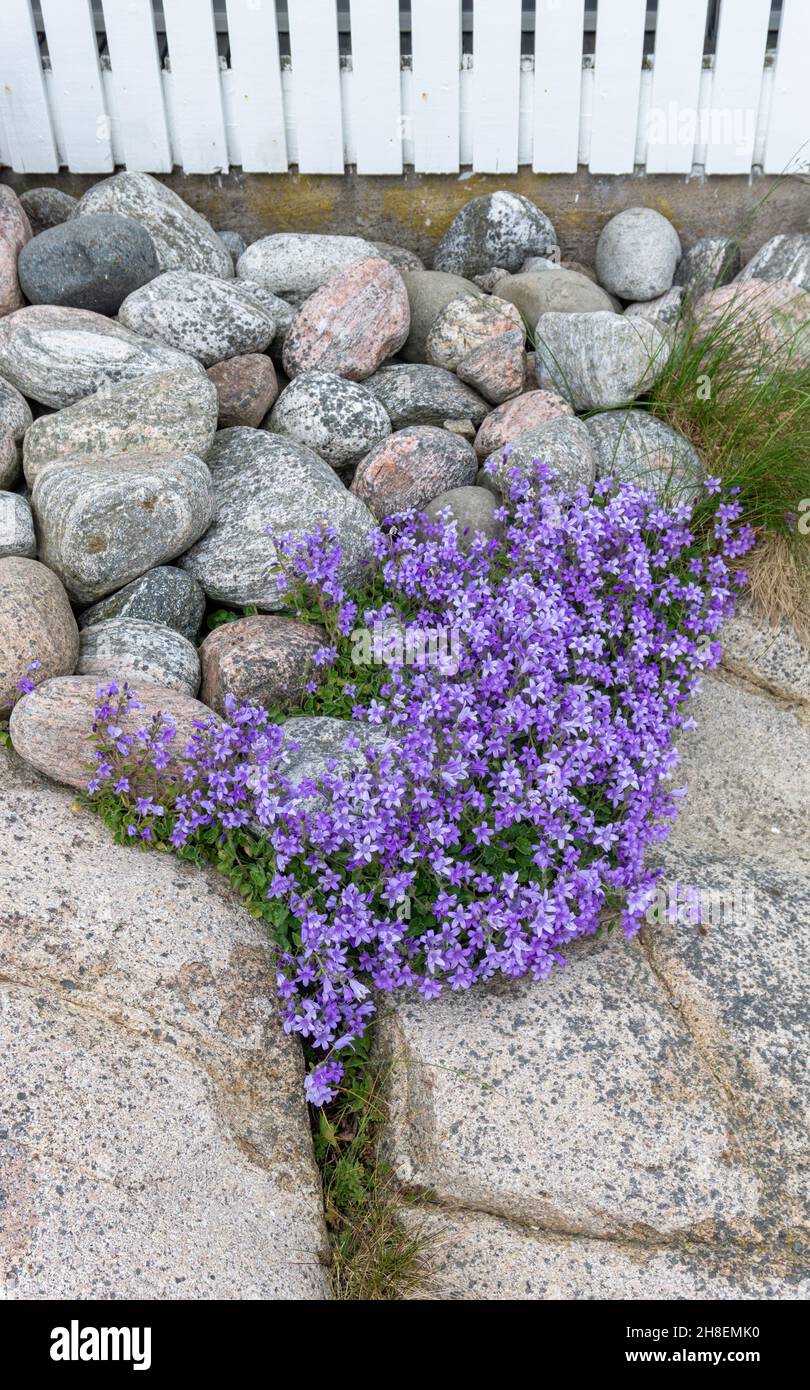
(765, 317)
(15, 231)
(497, 368)
(411, 467)
(246, 387)
(352, 323)
(516, 416)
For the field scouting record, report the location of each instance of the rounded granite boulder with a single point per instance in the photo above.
(164, 595)
(47, 207)
(17, 535)
(90, 262)
(637, 253)
(337, 418)
(182, 238)
(246, 387)
(294, 265)
(414, 393)
(429, 291)
(36, 624)
(512, 418)
(262, 660)
(411, 467)
(129, 649)
(351, 324)
(496, 229)
(207, 317)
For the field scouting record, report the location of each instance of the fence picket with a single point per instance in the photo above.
(73, 48)
(617, 85)
(557, 85)
(787, 147)
(671, 126)
(258, 105)
(23, 103)
(436, 43)
(737, 85)
(496, 85)
(376, 86)
(196, 87)
(137, 85)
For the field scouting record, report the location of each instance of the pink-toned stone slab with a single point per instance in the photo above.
(36, 624)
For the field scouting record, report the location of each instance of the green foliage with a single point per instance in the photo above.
(216, 617)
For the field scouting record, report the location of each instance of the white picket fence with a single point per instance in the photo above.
(441, 85)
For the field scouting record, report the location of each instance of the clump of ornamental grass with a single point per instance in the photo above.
(505, 804)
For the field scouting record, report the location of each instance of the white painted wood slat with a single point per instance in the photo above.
(496, 85)
(558, 33)
(316, 85)
(376, 86)
(137, 85)
(787, 145)
(196, 88)
(258, 104)
(436, 42)
(617, 84)
(77, 90)
(23, 103)
(737, 85)
(672, 120)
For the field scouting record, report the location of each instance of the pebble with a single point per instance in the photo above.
(712, 261)
(15, 419)
(564, 444)
(563, 292)
(473, 510)
(636, 447)
(785, 257)
(47, 207)
(637, 253)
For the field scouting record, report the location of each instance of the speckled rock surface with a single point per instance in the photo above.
(351, 324)
(472, 508)
(411, 467)
(637, 253)
(263, 660)
(429, 291)
(261, 480)
(182, 238)
(202, 315)
(15, 231)
(104, 521)
(561, 291)
(129, 649)
(16, 526)
(165, 595)
(416, 394)
(246, 388)
(36, 624)
(156, 1142)
(164, 413)
(9, 458)
(399, 256)
(712, 261)
(47, 207)
(337, 418)
(785, 257)
(636, 447)
(497, 368)
(317, 744)
(663, 311)
(771, 321)
(15, 418)
(598, 360)
(563, 443)
(466, 323)
(90, 262)
(57, 355)
(774, 657)
(513, 418)
(295, 264)
(495, 229)
(234, 241)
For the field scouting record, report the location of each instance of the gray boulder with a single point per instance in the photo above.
(234, 241)
(47, 207)
(497, 229)
(637, 253)
(712, 261)
(636, 447)
(90, 262)
(784, 257)
(429, 291)
(599, 360)
(337, 418)
(471, 508)
(664, 311)
(203, 315)
(563, 443)
(164, 595)
(414, 393)
(16, 527)
(563, 291)
(182, 238)
(466, 323)
(129, 649)
(295, 264)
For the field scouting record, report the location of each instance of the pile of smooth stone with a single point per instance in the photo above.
(168, 393)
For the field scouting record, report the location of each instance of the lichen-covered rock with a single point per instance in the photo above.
(785, 257)
(471, 508)
(763, 324)
(351, 324)
(497, 368)
(129, 649)
(295, 264)
(712, 261)
(57, 355)
(337, 418)
(167, 412)
(416, 394)
(16, 526)
(261, 480)
(36, 624)
(47, 207)
(90, 262)
(15, 231)
(633, 446)
(466, 323)
(561, 291)
(104, 521)
(429, 291)
(15, 419)
(164, 595)
(514, 417)
(203, 315)
(599, 360)
(637, 253)
(246, 388)
(262, 660)
(496, 229)
(411, 467)
(563, 443)
(183, 239)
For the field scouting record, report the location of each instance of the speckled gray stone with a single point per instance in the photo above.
(468, 322)
(563, 443)
(784, 257)
(234, 241)
(155, 1137)
(663, 311)
(773, 656)
(165, 595)
(47, 207)
(104, 521)
(500, 229)
(472, 508)
(207, 317)
(712, 261)
(36, 624)
(636, 447)
(416, 394)
(598, 360)
(321, 746)
(15, 418)
(129, 649)
(165, 413)
(261, 480)
(183, 239)
(429, 291)
(637, 253)
(564, 292)
(399, 256)
(57, 355)
(337, 418)
(16, 526)
(90, 262)
(295, 264)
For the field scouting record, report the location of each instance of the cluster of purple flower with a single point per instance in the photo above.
(511, 810)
